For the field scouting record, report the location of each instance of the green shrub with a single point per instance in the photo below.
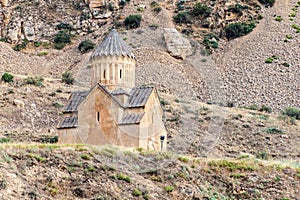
(62, 37)
(210, 41)
(4, 140)
(201, 9)
(265, 108)
(169, 188)
(271, 59)
(121, 176)
(57, 104)
(237, 8)
(238, 29)
(21, 46)
(133, 21)
(274, 130)
(4, 39)
(7, 77)
(42, 53)
(154, 4)
(278, 18)
(86, 45)
(288, 37)
(157, 9)
(251, 107)
(37, 43)
(292, 112)
(136, 192)
(286, 64)
(37, 80)
(122, 3)
(267, 2)
(85, 156)
(59, 46)
(64, 26)
(67, 78)
(182, 18)
(262, 155)
(180, 4)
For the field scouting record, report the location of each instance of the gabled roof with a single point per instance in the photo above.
(131, 118)
(75, 99)
(112, 45)
(69, 122)
(139, 96)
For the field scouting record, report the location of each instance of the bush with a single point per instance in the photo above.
(237, 8)
(201, 10)
(59, 46)
(278, 18)
(265, 109)
(7, 77)
(169, 188)
(274, 130)
(4, 39)
(86, 45)
(62, 37)
(64, 26)
(292, 112)
(21, 46)
(37, 80)
(238, 29)
(133, 21)
(37, 43)
(267, 2)
(182, 18)
(136, 192)
(210, 41)
(271, 59)
(157, 9)
(67, 78)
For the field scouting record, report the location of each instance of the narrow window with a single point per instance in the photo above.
(120, 73)
(98, 116)
(104, 74)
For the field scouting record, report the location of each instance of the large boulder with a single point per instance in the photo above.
(177, 45)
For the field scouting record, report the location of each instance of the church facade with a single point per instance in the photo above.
(114, 111)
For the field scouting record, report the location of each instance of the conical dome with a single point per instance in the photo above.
(112, 45)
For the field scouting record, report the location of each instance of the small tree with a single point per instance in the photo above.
(292, 112)
(182, 18)
(238, 29)
(62, 37)
(67, 78)
(133, 21)
(201, 9)
(7, 77)
(86, 45)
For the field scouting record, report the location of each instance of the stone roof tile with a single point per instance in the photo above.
(112, 45)
(139, 96)
(131, 118)
(69, 122)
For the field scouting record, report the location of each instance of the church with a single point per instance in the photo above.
(114, 111)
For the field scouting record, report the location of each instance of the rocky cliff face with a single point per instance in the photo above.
(37, 20)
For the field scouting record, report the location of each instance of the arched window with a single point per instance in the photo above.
(120, 73)
(104, 74)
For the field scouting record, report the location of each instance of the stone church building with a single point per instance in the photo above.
(114, 111)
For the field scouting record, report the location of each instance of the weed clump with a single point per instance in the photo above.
(7, 77)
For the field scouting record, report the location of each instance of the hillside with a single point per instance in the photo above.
(222, 99)
(83, 172)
